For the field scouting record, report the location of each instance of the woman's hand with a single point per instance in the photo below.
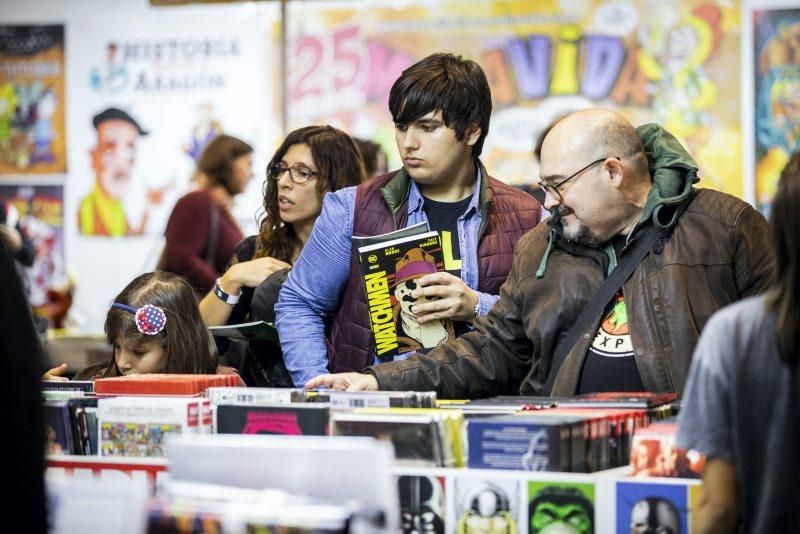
(56, 373)
(250, 273)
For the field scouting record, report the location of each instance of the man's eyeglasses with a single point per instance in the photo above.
(553, 189)
(298, 174)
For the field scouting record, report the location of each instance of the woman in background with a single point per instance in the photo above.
(202, 233)
(741, 406)
(310, 162)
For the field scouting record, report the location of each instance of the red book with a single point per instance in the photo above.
(162, 384)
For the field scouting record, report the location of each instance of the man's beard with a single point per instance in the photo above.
(577, 232)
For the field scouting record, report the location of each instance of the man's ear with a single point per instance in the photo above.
(472, 134)
(615, 171)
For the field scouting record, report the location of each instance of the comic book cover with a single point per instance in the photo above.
(389, 271)
(559, 506)
(649, 507)
(291, 419)
(422, 504)
(58, 428)
(483, 505)
(137, 426)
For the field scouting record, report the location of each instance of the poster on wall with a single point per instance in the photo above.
(32, 100)
(776, 68)
(154, 95)
(148, 92)
(652, 60)
(40, 213)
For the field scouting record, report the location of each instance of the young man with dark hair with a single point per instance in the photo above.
(441, 107)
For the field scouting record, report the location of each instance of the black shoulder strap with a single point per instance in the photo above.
(211, 248)
(639, 249)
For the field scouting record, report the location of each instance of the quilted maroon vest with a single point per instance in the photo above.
(507, 214)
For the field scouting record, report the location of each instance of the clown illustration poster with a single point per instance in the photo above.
(32, 135)
(666, 61)
(776, 68)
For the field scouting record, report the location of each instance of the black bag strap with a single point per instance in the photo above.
(211, 247)
(639, 249)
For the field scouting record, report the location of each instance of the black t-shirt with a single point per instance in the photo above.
(443, 218)
(610, 364)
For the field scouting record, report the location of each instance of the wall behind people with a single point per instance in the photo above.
(669, 62)
(184, 72)
(146, 87)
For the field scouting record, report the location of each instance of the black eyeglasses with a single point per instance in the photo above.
(553, 190)
(297, 173)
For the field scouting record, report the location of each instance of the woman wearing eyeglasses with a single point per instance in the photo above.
(310, 162)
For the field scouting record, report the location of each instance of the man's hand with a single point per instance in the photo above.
(452, 298)
(345, 381)
(56, 373)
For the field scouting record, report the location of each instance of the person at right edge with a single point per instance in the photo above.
(606, 183)
(440, 107)
(742, 403)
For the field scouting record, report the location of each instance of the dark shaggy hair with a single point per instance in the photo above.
(216, 160)
(188, 345)
(783, 300)
(339, 163)
(444, 82)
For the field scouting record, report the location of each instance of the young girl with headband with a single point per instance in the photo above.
(154, 326)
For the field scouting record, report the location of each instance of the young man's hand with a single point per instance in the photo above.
(55, 373)
(345, 381)
(453, 299)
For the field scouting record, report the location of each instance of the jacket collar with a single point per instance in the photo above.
(397, 192)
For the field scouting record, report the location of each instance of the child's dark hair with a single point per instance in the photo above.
(444, 82)
(188, 345)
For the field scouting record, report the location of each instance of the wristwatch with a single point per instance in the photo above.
(476, 309)
(223, 296)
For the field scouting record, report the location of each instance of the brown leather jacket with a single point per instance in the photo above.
(714, 255)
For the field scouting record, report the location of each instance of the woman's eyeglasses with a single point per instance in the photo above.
(297, 173)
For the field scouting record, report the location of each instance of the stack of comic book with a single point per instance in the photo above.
(198, 507)
(374, 399)
(247, 395)
(138, 426)
(292, 418)
(71, 426)
(427, 437)
(654, 453)
(162, 384)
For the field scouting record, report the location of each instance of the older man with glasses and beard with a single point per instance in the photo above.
(617, 195)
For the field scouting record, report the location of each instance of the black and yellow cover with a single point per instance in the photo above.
(389, 270)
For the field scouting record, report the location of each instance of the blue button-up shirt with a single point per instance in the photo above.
(318, 278)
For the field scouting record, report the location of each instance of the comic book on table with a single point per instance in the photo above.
(389, 267)
(245, 331)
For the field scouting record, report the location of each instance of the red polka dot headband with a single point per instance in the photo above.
(150, 320)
